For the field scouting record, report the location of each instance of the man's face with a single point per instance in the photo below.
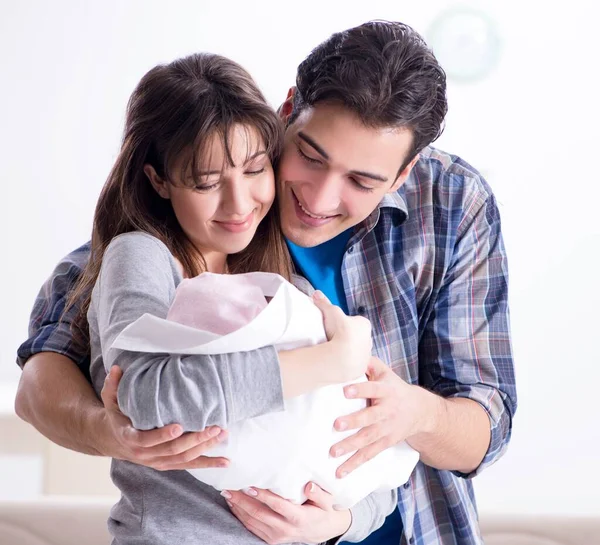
(334, 171)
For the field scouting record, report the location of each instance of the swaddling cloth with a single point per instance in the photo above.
(218, 314)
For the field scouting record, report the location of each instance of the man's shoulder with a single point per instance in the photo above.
(446, 173)
(68, 270)
(446, 182)
(77, 259)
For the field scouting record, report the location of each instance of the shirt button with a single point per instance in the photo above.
(361, 310)
(351, 249)
(411, 540)
(406, 485)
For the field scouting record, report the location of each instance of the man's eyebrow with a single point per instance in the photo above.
(323, 153)
(376, 177)
(314, 145)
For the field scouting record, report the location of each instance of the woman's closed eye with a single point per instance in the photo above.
(207, 186)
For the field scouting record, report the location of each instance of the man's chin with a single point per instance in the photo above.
(307, 238)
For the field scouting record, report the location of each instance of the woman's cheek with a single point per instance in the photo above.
(267, 190)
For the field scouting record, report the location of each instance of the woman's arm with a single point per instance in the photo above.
(55, 395)
(137, 277)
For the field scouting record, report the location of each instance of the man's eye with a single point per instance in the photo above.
(361, 187)
(255, 172)
(306, 157)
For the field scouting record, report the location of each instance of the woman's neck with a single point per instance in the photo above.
(216, 262)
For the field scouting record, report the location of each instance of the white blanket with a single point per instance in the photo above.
(218, 314)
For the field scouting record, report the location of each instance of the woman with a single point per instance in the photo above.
(193, 190)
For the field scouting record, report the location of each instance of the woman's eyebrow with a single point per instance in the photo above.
(251, 158)
(255, 155)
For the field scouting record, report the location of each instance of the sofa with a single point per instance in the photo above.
(76, 521)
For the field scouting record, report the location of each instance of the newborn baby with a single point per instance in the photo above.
(212, 302)
(215, 314)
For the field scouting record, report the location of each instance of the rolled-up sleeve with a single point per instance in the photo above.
(49, 329)
(465, 349)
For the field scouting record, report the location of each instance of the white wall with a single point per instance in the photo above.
(67, 69)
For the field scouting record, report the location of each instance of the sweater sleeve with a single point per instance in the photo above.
(138, 276)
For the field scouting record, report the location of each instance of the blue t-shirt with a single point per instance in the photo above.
(322, 266)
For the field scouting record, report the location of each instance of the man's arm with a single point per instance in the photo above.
(57, 400)
(461, 417)
(449, 433)
(53, 389)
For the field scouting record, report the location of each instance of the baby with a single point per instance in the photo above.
(282, 451)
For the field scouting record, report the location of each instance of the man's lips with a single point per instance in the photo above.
(307, 217)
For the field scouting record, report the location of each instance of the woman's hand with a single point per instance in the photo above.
(344, 357)
(349, 339)
(276, 520)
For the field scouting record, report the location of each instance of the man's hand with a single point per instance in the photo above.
(276, 520)
(397, 412)
(164, 448)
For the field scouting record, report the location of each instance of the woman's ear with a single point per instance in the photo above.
(285, 110)
(159, 185)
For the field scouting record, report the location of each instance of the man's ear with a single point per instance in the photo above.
(404, 174)
(285, 110)
(160, 186)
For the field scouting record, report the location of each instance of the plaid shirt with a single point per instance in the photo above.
(428, 268)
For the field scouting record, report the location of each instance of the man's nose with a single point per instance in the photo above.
(323, 197)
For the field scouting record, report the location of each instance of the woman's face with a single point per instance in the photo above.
(221, 213)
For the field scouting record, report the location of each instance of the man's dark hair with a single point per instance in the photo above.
(383, 72)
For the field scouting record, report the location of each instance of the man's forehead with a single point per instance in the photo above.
(337, 133)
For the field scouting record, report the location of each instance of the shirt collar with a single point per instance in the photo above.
(393, 204)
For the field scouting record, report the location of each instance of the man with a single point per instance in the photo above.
(387, 227)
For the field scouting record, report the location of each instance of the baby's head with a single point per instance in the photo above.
(219, 303)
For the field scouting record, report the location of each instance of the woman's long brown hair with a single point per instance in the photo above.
(174, 110)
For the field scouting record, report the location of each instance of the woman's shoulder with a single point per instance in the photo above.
(137, 241)
(141, 248)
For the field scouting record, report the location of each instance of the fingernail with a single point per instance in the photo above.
(311, 487)
(226, 494)
(318, 295)
(338, 452)
(341, 425)
(223, 463)
(343, 474)
(176, 431)
(214, 431)
(351, 391)
(250, 492)
(222, 435)
(229, 504)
